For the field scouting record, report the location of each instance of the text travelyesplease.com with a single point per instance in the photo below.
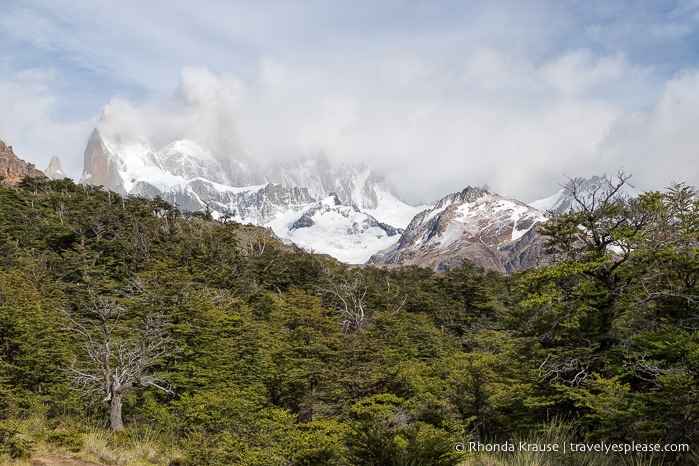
(602, 447)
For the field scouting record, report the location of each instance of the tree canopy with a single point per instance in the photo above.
(243, 350)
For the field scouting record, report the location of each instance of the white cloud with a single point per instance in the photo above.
(430, 133)
(29, 123)
(580, 71)
(660, 146)
(203, 108)
(491, 70)
(436, 95)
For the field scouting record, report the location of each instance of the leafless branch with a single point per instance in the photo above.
(114, 363)
(347, 295)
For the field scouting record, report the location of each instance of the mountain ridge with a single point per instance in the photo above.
(474, 224)
(187, 174)
(349, 212)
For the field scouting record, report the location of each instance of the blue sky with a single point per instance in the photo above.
(435, 94)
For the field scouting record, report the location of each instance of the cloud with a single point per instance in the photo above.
(660, 146)
(429, 128)
(29, 123)
(436, 95)
(202, 108)
(578, 72)
(507, 123)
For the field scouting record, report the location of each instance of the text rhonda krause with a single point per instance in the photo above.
(602, 447)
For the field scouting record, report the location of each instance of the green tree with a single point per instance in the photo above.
(608, 316)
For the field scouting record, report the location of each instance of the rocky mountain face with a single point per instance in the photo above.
(120, 166)
(256, 205)
(357, 185)
(494, 232)
(13, 169)
(55, 169)
(186, 174)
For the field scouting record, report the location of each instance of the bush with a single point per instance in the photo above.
(70, 440)
(13, 443)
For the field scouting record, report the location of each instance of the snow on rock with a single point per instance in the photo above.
(362, 215)
(491, 230)
(329, 227)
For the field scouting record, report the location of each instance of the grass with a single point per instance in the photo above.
(34, 437)
(142, 447)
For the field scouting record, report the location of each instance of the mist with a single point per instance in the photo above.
(434, 95)
(495, 119)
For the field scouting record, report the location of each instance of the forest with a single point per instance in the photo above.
(134, 333)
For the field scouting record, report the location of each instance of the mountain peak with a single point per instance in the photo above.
(471, 193)
(493, 231)
(301, 201)
(55, 169)
(353, 184)
(100, 167)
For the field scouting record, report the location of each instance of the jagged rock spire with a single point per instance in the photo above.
(55, 169)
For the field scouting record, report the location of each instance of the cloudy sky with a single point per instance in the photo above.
(434, 94)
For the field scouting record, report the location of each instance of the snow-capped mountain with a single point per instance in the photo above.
(585, 188)
(121, 166)
(492, 231)
(349, 212)
(362, 216)
(356, 185)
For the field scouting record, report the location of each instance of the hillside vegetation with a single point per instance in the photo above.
(133, 333)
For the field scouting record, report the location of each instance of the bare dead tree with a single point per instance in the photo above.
(602, 223)
(347, 295)
(118, 358)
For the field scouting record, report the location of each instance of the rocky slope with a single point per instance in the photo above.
(494, 232)
(13, 169)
